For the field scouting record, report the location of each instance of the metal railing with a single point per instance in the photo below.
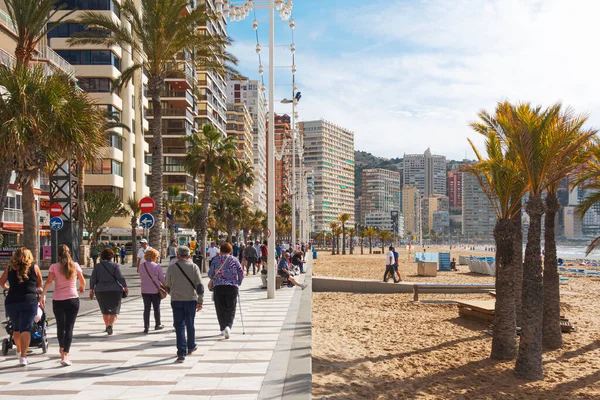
(7, 22)
(6, 58)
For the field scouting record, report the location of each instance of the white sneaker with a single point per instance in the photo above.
(303, 286)
(223, 333)
(226, 332)
(23, 361)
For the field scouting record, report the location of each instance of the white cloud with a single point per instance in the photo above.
(429, 66)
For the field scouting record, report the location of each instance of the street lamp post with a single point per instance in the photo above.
(236, 13)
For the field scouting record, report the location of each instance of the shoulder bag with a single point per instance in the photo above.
(198, 289)
(123, 292)
(162, 293)
(211, 283)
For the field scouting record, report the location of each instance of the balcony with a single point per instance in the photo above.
(182, 80)
(173, 112)
(13, 216)
(179, 98)
(6, 58)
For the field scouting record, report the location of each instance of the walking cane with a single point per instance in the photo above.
(241, 316)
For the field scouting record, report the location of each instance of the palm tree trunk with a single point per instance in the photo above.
(343, 239)
(30, 226)
(5, 174)
(81, 197)
(361, 246)
(230, 224)
(518, 266)
(134, 240)
(155, 86)
(504, 344)
(206, 192)
(332, 244)
(529, 361)
(370, 246)
(551, 333)
(351, 244)
(337, 244)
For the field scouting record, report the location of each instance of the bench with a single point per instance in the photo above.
(449, 288)
(481, 310)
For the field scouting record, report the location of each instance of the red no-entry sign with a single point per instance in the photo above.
(56, 210)
(147, 205)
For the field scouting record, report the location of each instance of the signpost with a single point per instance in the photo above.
(147, 221)
(56, 210)
(56, 224)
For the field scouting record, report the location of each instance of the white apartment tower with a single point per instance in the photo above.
(380, 193)
(426, 172)
(478, 215)
(329, 152)
(250, 93)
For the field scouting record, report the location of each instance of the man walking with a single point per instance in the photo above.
(389, 265)
(211, 253)
(251, 258)
(396, 255)
(184, 284)
(142, 252)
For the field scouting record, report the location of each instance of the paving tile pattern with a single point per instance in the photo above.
(131, 365)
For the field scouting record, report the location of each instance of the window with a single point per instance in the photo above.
(90, 57)
(96, 85)
(106, 166)
(68, 30)
(88, 5)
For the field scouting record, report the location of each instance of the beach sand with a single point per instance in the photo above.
(375, 346)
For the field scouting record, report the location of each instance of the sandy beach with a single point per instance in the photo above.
(372, 346)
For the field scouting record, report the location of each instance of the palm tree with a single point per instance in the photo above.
(361, 237)
(338, 232)
(132, 209)
(162, 32)
(385, 236)
(343, 218)
(208, 154)
(351, 233)
(370, 233)
(500, 178)
(544, 150)
(45, 120)
(244, 178)
(333, 225)
(99, 207)
(193, 217)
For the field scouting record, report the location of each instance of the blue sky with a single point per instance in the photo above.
(405, 75)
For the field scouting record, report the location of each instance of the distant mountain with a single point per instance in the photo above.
(364, 160)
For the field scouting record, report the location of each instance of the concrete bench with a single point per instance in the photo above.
(451, 288)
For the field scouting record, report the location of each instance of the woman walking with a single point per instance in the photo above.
(108, 284)
(227, 275)
(65, 300)
(21, 304)
(152, 278)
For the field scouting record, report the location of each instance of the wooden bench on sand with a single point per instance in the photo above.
(481, 310)
(451, 288)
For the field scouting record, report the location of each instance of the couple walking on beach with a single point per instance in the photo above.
(391, 266)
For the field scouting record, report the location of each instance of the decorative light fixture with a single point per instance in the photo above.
(279, 5)
(292, 24)
(293, 48)
(258, 49)
(293, 68)
(255, 24)
(219, 5)
(261, 70)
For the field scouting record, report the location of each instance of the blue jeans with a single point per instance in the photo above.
(184, 313)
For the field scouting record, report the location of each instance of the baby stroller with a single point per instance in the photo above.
(39, 332)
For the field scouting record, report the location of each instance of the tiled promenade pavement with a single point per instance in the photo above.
(131, 365)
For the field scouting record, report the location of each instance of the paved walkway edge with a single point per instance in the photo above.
(289, 375)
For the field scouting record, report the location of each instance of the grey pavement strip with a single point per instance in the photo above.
(224, 375)
(135, 383)
(29, 392)
(238, 361)
(213, 392)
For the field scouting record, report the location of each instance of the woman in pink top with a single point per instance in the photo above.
(65, 300)
(151, 277)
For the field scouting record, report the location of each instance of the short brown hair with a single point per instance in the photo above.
(226, 248)
(107, 254)
(151, 255)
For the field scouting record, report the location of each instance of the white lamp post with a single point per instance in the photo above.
(238, 13)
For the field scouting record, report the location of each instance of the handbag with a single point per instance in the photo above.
(162, 293)
(123, 292)
(198, 289)
(211, 283)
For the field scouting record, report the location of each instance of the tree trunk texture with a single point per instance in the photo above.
(529, 360)
(81, 196)
(518, 266)
(361, 247)
(5, 174)
(332, 244)
(30, 223)
(343, 239)
(351, 244)
(230, 224)
(155, 87)
(337, 244)
(551, 333)
(504, 344)
(206, 192)
(370, 246)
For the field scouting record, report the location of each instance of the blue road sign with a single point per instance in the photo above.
(56, 223)
(147, 221)
(176, 228)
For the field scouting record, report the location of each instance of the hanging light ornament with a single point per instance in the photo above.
(226, 9)
(258, 49)
(293, 48)
(279, 5)
(292, 24)
(255, 24)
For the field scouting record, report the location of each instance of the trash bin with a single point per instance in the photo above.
(314, 254)
(197, 260)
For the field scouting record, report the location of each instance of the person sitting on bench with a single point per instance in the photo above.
(283, 270)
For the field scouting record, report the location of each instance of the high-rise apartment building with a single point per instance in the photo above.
(380, 193)
(478, 215)
(251, 93)
(455, 190)
(329, 151)
(411, 202)
(239, 124)
(426, 172)
(211, 87)
(435, 209)
(283, 160)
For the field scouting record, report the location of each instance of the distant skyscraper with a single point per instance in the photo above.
(283, 165)
(239, 125)
(329, 151)
(410, 211)
(455, 190)
(380, 193)
(426, 172)
(478, 216)
(251, 94)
